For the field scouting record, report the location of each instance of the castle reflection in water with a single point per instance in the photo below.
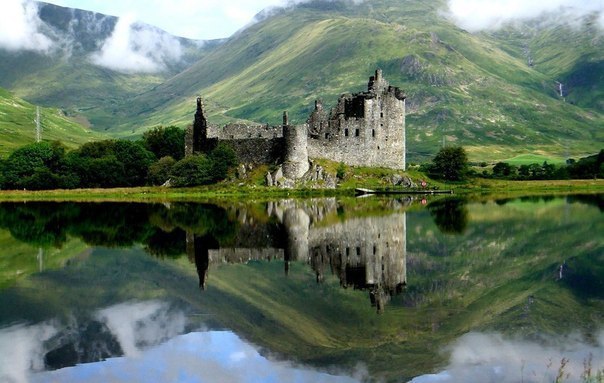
(366, 253)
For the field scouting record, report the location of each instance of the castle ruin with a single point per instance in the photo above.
(363, 129)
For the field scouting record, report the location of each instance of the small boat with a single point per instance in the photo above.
(363, 191)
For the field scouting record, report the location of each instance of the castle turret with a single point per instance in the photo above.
(295, 162)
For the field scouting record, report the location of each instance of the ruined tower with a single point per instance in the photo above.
(196, 135)
(295, 159)
(363, 129)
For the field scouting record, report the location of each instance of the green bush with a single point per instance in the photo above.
(36, 166)
(159, 172)
(163, 142)
(192, 171)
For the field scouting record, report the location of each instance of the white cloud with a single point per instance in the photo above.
(135, 48)
(476, 15)
(481, 357)
(19, 27)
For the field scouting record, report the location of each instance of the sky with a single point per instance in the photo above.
(194, 19)
(210, 19)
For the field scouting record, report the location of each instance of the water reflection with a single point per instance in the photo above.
(491, 357)
(151, 338)
(286, 275)
(365, 253)
(122, 329)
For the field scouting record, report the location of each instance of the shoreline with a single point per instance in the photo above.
(226, 191)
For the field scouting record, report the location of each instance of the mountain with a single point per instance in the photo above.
(495, 92)
(90, 64)
(18, 125)
(477, 90)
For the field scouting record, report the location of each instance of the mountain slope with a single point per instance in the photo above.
(18, 126)
(87, 71)
(467, 88)
(495, 93)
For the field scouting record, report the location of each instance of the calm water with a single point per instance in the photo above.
(321, 290)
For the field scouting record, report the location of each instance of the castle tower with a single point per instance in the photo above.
(200, 127)
(295, 162)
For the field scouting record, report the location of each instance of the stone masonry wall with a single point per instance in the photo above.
(257, 150)
(365, 129)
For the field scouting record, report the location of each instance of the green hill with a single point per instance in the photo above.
(69, 78)
(18, 125)
(474, 89)
(495, 93)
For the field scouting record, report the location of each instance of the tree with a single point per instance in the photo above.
(36, 166)
(111, 163)
(222, 158)
(192, 171)
(164, 142)
(504, 170)
(159, 172)
(450, 163)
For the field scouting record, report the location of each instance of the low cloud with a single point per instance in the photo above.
(20, 27)
(477, 15)
(137, 48)
(493, 358)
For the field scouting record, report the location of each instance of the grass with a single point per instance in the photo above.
(355, 177)
(527, 159)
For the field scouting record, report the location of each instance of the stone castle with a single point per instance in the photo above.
(363, 129)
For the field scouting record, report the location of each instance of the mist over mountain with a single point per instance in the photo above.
(528, 78)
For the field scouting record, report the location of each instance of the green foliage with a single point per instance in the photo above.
(159, 172)
(450, 215)
(503, 170)
(192, 171)
(36, 166)
(111, 163)
(341, 171)
(169, 141)
(588, 167)
(222, 158)
(450, 163)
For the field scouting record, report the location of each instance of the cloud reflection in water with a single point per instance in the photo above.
(148, 333)
(215, 356)
(479, 357)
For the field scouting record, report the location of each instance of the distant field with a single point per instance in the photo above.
(527, 159)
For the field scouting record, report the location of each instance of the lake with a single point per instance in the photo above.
(420, 289)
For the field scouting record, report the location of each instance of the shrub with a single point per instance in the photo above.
(159, 172)
(192, 171)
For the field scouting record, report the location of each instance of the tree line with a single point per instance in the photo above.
(451, 164)
(152, 160)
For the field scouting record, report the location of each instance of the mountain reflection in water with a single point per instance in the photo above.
(458, 286)
(155, 345)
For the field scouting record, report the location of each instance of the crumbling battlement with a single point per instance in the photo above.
(363, 129)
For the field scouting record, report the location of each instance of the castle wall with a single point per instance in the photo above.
(244, 131)
(257, 150)
(364, 129)
(375, 245)
(376, 138)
